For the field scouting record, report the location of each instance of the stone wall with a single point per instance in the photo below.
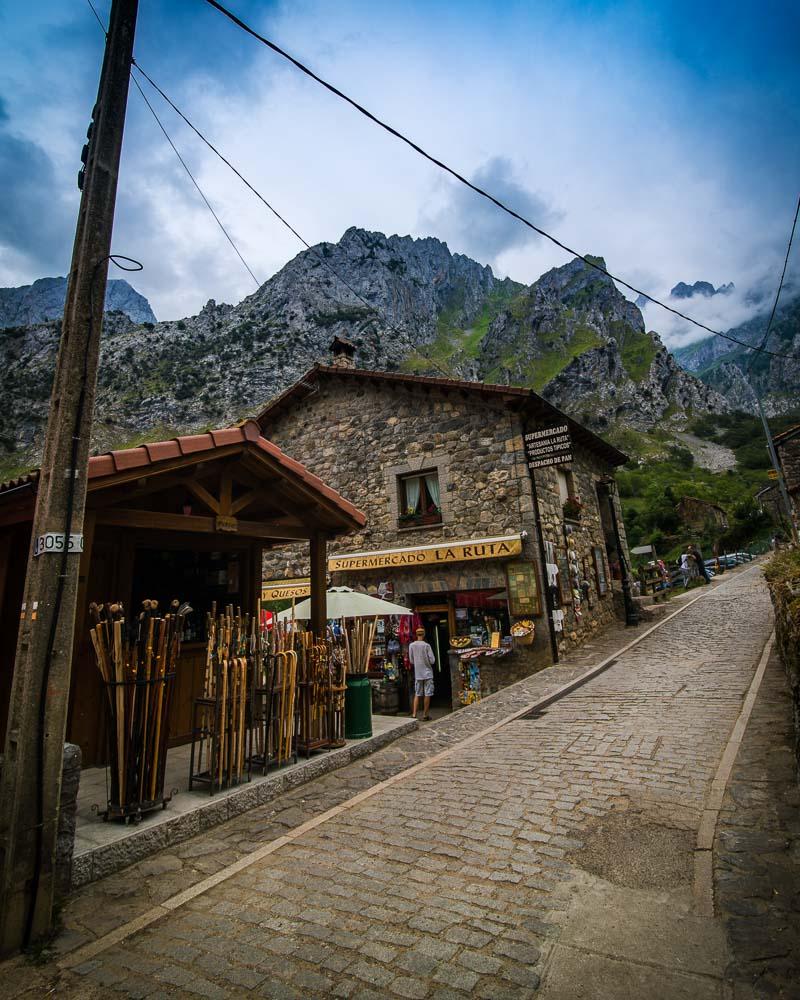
(65, 842)
(359, 437)
(783, 577)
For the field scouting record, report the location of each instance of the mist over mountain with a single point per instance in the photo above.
(732, 370)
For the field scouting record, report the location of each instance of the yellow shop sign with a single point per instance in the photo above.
(427, 555)
(285, 590)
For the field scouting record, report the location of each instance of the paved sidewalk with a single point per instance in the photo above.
(557, 847)
(757, 850)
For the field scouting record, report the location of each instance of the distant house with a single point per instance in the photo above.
(787, 446)
(769, 502)
(696, 513)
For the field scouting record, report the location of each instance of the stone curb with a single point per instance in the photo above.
(703, 888)
(98, 862)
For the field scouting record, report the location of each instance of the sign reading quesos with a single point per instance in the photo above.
(284, 590)
(548, 446)
(484, 548)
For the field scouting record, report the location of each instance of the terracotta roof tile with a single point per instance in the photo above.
(229, 435)
(247, 434)
(101, 465)
(189, 444)
(160, 451)
(130, 458)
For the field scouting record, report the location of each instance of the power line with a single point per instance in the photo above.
(474, 187)
(780, 285)
(372, 308)
(228, 236)
(182, 161)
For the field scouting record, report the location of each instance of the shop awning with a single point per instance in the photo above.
(342, 602)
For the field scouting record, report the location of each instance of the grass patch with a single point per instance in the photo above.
(636, 349)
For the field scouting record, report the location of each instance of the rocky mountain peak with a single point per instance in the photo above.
(704, 288)
(406, 304)
(44, 300)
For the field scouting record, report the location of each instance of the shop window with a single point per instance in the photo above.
(570, 501)
(565, 484)
(420, 500)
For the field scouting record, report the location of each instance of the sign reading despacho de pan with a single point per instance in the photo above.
(548, 446)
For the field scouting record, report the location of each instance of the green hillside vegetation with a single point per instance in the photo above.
(637, 350)
(453, 342)
(650, 487)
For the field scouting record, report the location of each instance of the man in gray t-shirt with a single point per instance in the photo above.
(422, 660)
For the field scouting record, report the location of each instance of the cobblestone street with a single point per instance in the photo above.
(555, 852)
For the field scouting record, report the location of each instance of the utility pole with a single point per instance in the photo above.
(776, 465)
(30, 779)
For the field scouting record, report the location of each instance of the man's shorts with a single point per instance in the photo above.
(424, 688)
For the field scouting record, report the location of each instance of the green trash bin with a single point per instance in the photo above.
(357, 707)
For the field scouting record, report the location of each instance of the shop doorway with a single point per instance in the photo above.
(436, 622)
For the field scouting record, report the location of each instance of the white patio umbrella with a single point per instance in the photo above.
(342, 602)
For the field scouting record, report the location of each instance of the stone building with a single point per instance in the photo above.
(698, 514)
(787, 446)
(439, 467)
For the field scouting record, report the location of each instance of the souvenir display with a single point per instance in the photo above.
(137, 660)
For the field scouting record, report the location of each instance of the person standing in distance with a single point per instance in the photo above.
(422, 660)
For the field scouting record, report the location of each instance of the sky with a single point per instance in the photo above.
(664, 137)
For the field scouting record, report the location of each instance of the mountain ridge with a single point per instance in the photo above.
(25, 305)
(570, 335)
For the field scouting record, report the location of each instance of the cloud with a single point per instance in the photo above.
(508, 94)
(470, 224)
(37, 223)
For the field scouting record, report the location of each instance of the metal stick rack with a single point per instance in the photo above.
(137, 746)
(221, 730)
(274, 702)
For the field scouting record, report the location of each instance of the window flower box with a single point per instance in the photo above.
(413, 520)
(572, 509)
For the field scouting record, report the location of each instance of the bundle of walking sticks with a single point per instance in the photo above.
(137, 660)
(358, 644)
(231, 644)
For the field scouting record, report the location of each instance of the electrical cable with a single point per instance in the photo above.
(474, 187)
(182, 161)
(372, 308)
(780, 286)
(194, 181)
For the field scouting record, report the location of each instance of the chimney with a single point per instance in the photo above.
(343, 353)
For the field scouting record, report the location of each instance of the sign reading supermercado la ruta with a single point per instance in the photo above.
(548, 446)
(480, 548)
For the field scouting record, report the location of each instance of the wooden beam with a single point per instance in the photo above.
(244, 501)
(273, 530)
(319, 573)
(203, 495)
(294, 496)
(122, 517)
(225, 494)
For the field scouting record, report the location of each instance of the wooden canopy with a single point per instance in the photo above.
(227, 473)
(225, 491)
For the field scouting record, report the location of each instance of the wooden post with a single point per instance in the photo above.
(30, 783)
(319, 577)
